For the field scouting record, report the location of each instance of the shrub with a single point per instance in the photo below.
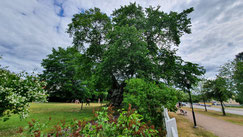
(148, 98)
(17, 90)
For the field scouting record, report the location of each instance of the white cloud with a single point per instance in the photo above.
(28, 33)
(216, 34)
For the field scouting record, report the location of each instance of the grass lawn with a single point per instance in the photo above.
(42, 111)
(241, 107)
(232, 107)
(185, 127)
(235, 106)
(233, 118)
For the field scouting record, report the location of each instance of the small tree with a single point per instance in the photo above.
(188, 77)
(202, 92)
(204, 97)
(219, 90)
(17, 90)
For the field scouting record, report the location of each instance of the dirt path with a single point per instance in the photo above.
(218, 127)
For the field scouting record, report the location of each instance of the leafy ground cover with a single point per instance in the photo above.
(42, 112)
(233, 118)
(105, 124)
(185, 127)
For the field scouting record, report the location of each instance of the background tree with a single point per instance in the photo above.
(202, 92)
(238, 77)
(17, 90)
(232, 71)
(133, 43)
(219, 90)
(64, 75)
(182, 96)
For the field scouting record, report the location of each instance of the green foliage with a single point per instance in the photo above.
(219, 90)
(238, 77)
(148, 98)
(190, 72)
(201, 91)
(232, 71)
(90, 28)
(34, 128)
(65, 75)
(17, 90)
(128, 124)
(196, 98)
(182, 96)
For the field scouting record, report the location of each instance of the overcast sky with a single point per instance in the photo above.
(29, 29)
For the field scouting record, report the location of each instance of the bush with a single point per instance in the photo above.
(17, 90)
(128, 123)
(148, 98)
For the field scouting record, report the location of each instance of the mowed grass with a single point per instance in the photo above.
(231, 107)
(185, 127)
(42, 111)
(241, 107)
(233, 118)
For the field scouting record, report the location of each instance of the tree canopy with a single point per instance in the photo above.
(65, 75)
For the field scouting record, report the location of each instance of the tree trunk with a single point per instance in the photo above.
(117, 97)
(82, 105)
(193, 114)
(205, 105)
(223, 108)
(116, 94)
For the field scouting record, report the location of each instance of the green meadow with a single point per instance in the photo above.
(43, 111)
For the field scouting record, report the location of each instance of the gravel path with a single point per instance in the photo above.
(218, 127)
(238, 111)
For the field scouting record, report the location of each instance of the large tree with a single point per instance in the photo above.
(131, 43)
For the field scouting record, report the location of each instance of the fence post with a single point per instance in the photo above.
(170, 124)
